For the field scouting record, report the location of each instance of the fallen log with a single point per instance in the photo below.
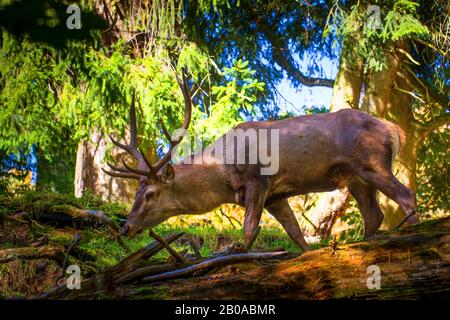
(127, 264)
(106, 279)
(166, 246)
(146, 271)
(27, 253)
(214, 263)
(69, 215)
(414, 263)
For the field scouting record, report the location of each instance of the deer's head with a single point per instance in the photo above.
(154, 201)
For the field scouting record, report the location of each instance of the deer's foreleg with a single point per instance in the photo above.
(255, 196)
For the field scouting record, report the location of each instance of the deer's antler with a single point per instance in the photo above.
(145, 169)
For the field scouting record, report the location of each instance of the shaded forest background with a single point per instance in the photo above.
(64, 91)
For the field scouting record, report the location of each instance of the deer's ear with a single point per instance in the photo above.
(167, 173)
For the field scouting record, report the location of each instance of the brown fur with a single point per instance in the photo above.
(317, 153)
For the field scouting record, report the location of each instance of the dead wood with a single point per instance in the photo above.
(146, 271)
(67, 214)
(166, 246)
(27, 253)
(214, 263)
(230, 219)
(108, 277)
(414, 263)
(66, 258)
(127, 264)
(195, 245)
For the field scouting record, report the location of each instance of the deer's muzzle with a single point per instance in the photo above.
(130, 229)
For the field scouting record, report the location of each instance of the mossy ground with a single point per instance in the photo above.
(98, 248)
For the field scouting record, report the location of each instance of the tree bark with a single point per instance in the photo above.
(90, 177)
(404, 166)
(384, 98)
(346, 94)
(413, 263)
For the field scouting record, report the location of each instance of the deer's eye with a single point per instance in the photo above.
(149, 195)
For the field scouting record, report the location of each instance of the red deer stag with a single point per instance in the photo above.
(316, 153)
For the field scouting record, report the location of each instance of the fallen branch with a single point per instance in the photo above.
(173, 252)
(146, 271)
(107, 277)
(126, 264)
(66, 258)
(72, 245)
(214, 263)
(28, 253)
(316, 230)
(194, 245)
(68, 214)
(230, 219)
(404, 220)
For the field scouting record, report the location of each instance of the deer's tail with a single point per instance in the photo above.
(397, 137)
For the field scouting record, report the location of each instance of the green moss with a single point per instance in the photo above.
(38, 202)
(59, 237)
(154, 293)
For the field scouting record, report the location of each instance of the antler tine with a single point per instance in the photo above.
(133, 129)
(187, 119)
(187, 100)
(130, 175)
(131, 148)
(145, 168)
(137, 171)
(147, 163)
(118, 169)
(164, 129)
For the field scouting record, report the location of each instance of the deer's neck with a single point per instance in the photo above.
(199, 188)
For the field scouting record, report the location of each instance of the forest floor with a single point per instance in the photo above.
(39, 239)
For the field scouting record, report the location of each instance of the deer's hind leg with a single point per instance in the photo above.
(366, 198)
(389, 185)
(282, 211)
(374, 167)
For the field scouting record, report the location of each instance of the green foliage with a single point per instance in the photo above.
(53, 99)
(355, 222)
(37, 202)
(398, 20)
(231, 102)
(433, 191)
(402, 23)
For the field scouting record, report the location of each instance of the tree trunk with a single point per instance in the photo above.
(346, 94)
(404, 166)
(90, 177)
(384, 99)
